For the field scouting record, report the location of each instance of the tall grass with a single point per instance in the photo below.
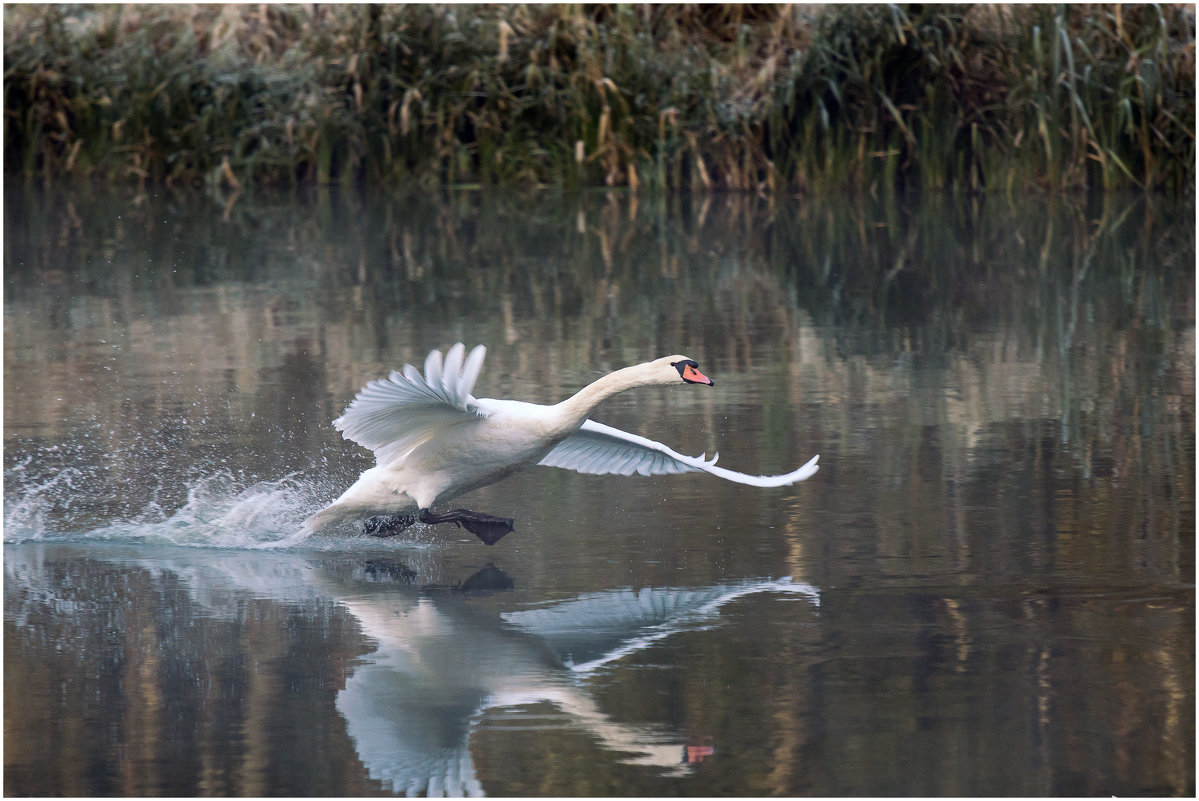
(748, 97)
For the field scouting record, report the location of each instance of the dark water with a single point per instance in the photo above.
(988, 589)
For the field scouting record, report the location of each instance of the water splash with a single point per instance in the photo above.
(27, 513)
(221, 510)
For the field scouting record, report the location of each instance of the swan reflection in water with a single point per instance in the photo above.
(439, 667)
(441, 662)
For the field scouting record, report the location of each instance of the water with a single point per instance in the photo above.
(988, 589)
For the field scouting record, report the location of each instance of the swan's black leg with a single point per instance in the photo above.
(488, 528)
(387, 525)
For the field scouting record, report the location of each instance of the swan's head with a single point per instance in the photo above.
(682, 368)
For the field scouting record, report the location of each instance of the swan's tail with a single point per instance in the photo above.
(344, 509)
(326, 518)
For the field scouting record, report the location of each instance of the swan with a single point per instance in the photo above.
(434, 441)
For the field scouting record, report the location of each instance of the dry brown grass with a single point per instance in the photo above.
(694, 97)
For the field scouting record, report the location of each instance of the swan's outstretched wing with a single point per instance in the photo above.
(393, 415)
(599, 449)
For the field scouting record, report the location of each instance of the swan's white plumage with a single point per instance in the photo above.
(394, 415)
(433, 440)
(599, 450)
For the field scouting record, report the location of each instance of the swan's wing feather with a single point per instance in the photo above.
(470, 372)
(599, 449)
(393, 415)
(432, 368)
(450, 371)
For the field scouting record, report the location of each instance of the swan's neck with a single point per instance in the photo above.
(578, 407)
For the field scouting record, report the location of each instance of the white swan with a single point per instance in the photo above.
(434, 441)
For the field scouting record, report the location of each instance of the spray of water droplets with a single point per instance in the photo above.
(219, 509)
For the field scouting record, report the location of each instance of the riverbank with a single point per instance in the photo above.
(658, 98)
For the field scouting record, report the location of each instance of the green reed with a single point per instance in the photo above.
(754, 98)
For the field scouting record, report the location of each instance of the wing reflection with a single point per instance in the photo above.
(440, 667)
(602, 627)
(444, 665)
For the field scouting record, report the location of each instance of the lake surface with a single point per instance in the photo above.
(988, 588)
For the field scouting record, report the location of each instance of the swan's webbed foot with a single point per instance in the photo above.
(488, 528)
(387, 525)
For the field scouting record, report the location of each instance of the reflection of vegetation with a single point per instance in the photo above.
(1073, 309)
(1002, 395)
(753, 97)
(159, 693)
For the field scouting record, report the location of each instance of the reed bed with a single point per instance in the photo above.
(685, 97)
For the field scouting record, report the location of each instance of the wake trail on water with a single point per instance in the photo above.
(220, 511)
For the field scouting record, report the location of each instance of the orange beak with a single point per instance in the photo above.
(693, 376)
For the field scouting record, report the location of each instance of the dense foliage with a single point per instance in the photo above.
(751, 97)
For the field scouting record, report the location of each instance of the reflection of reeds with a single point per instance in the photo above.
(764, 98)
(355, 286)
